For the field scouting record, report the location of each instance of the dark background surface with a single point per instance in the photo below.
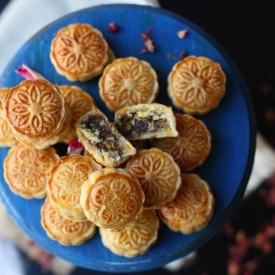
(246, 30)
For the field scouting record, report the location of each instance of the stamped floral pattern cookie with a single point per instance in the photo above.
(196, 84)
(65, 183)
(191, 146)
(6, 135)
(126, 82)
(134, 240)
(193, 207)
(158, 175)
(111, 198)
(63, 230)
(27, 170)
(35, 109)
(80, 52)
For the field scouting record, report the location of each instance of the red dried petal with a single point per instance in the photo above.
(75, 147)
(114, 28)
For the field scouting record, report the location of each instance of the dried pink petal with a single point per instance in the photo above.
(182, 34)
(147, 41)
(27, 73)
(114, 28)
(75, 147)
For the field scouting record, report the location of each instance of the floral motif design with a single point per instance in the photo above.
(63, 230)
(27, 170)
(158, 175)
(191, 146)
(192, 208)
(115, 200)
(196, 84)
(35, 108)
(79, 49)
(127, 82)
(133, 240)
(66, 181)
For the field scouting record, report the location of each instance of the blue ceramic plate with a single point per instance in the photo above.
(226, 169)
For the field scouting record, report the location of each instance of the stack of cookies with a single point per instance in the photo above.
(135, 170)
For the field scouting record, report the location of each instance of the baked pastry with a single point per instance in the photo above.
(7, 138)
(196, 85)
(27, 170)
(192, 209)
(102, 140)
(145, 121)
(134, 240)
(63, 230)
(191, 147)
(126, 82)
(64, 185)
(158, 174)
(80, 52)
(79, 103)
(111, 198)
(36, 110)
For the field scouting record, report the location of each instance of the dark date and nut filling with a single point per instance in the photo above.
(107, 140)
(135, 126)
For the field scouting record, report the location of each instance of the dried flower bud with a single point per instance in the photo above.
(147, 41)
(75, 147)
(114, 28)
(182, 34)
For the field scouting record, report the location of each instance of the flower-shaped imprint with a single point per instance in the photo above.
(134, 240)
(63, 230)
(79, 52)
(196, 84)
(192, 209)
(111, 198)
(64, 185)
(6, 135)
(27, 170)
(158, 174)
(79, 103)
(35, 109)
(191, 146)
(126, 82)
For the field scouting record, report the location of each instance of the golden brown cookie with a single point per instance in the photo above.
(145, 121)
(7, 138)
(134, 240)
(79, 103)
(158, 174)
(27, 170)
(193, 207)
(80, 52)
(64, 185)
(126, 82)
(102, 140)
(191, 146)
(111, 198)
(36, 110)
(63, 230)
(196, 84)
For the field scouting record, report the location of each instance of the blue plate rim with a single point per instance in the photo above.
(250, 109)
